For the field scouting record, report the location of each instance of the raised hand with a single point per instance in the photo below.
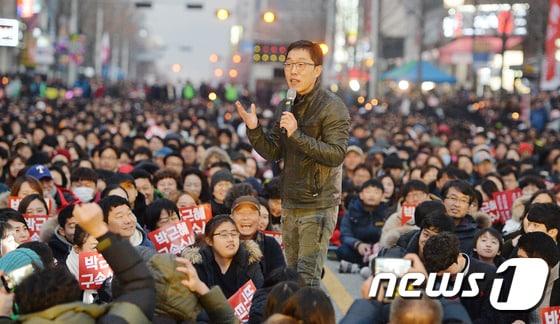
(90, 218)
(191, 281)
(249, 117)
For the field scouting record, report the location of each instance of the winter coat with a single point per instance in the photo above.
(359, 225)
(245, 265)
(273, 257)
(176, 303)
(394, 229)
(135, 305)
(313, 154)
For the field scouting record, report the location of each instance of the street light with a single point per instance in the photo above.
(222, 14)
(453, 3)
(324, 48)
(269, 17)
(176, 67)
(213, 58)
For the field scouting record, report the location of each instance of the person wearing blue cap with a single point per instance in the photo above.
(42, 173)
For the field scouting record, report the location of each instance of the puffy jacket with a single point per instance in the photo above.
(176, 303)
(361, 225)
(245, 264)
(135, 305)
(313, 155)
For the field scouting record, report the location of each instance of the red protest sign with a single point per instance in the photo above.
(197, 217)
(550, 315)
(35, 224)
(173, 238)
(241, 301)
(407, 213)
(93, 270)
(276, 235)
(490, 208)
(504, 201)
(13, 202)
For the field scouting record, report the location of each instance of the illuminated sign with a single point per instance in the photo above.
(9, 32)
(486, 20)
(269, 53)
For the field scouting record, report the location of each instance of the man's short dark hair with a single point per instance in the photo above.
(532, 180)
(65, 214)
(175, 154)
(141, 174)
(110, 202)
(313, 48)
(438, 221)
(85, 174)
(547, 214)
(460, 185)
(372, 183)
(539, 245)
(441, 251)
(453, 173)
(363, 166)
(414, 185)
(507, 170)
(143, 150)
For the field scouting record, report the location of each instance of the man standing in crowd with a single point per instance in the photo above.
(312, 139)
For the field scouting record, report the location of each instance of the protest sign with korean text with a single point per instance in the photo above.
(173, 238)
(241, 301)
(93, 270)
(197, 217)
(35, 224)
(504, 201)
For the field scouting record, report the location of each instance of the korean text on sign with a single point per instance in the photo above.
(35, 224)
(93, 270)
(241, 301)
(197, 217)
(173, 238)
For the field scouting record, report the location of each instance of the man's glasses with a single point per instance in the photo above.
(299, 66)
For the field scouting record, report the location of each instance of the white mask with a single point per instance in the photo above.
(85, 194)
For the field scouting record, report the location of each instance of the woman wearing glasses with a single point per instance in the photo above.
(223, 261)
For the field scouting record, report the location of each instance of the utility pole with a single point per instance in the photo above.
(98, 36)
(421, 32)
(374, 71)
(72, 66)
(474, 73)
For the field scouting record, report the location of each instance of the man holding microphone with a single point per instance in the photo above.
(311, 137)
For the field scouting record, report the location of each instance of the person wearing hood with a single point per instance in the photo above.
(457, 198)
(224, 261)
(121, 220)
(361, 225)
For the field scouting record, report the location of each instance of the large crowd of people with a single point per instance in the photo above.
(421, 177)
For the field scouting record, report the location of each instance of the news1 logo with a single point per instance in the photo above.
(525, 292)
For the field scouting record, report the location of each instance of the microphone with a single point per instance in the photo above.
(290, 97)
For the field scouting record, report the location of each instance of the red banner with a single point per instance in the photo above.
(407, 213)
(490, 208)
(197, 217)
(35, 223)
(173, 238)
(13, 202)
(241, 301)
(93, 270)
(552, 33)
(504, 201)
(277, 236)
(550, 315)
